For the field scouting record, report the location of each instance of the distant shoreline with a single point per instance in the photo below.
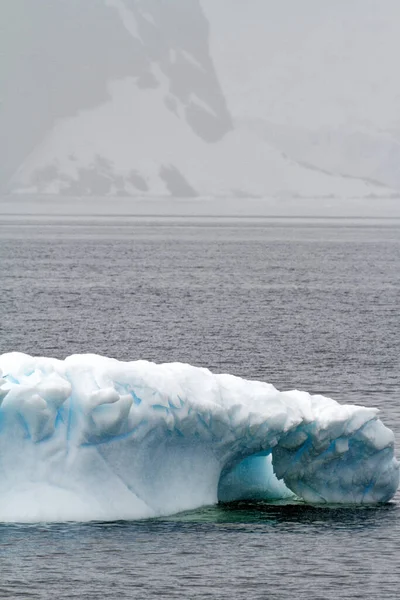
(201, 208)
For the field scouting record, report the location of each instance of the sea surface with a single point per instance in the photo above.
(302, 303)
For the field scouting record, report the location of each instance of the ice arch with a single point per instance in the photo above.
(94, 438)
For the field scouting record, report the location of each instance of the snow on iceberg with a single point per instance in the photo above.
(94, 438)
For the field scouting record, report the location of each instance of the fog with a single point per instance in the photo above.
(200, 106)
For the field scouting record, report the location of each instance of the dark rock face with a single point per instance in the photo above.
(176, 183)
(59, 56)
(179, 28)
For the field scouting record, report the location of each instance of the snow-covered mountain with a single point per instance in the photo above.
(190, 98)
(316, 79)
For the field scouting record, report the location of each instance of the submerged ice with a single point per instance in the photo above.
(94, 438)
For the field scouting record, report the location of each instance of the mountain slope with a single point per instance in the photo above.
(122, 97)
(317, 80)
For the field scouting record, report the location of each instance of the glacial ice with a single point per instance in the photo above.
(92, 438)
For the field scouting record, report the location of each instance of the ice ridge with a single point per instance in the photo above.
(92, 438)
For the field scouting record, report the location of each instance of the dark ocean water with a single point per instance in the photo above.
(302, 304)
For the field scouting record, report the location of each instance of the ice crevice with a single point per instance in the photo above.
(90, 437)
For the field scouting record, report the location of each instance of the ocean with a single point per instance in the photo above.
(306, 304)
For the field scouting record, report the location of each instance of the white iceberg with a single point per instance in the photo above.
(92, 438)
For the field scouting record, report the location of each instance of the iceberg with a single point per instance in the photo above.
(93, 438)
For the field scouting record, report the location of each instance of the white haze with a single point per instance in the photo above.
(200, 107)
